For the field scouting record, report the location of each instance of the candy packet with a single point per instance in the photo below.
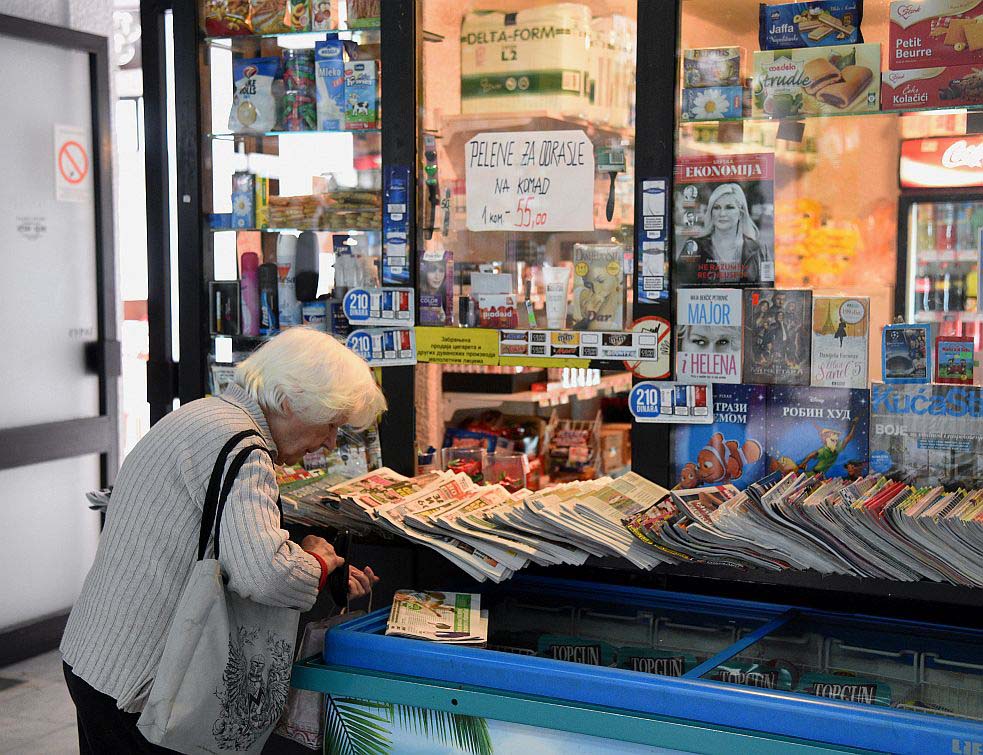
(253, 104)
(225, 18)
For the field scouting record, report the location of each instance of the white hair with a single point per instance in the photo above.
(317, 377)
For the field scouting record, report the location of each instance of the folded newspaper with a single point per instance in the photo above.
(448, 617)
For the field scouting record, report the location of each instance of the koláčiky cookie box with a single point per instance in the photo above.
(946, 86)
(817, 81)
(935, 33)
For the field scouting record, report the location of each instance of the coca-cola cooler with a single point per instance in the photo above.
(941, 219)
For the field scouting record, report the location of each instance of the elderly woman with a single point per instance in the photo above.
(295, 391)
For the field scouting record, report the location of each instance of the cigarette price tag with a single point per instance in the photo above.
(384, 347)
(651, 401)
(379, 306)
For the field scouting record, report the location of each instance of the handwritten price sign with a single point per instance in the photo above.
(530, 181)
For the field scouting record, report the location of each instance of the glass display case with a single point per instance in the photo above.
(738, 676)
(292, 155)
(525, 230)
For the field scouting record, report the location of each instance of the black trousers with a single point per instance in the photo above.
(103, 728)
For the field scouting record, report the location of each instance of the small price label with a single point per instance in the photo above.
(357, 305)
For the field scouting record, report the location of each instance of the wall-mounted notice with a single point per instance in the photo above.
(530, 181)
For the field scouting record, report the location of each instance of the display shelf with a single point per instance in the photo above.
(374, 229)
(541, 120)
(609, 385)
(820, 116)
(949, 317)
(229, 136)
(959, 255)
(298, 39)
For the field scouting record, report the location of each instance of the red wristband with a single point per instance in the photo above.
(324, 570)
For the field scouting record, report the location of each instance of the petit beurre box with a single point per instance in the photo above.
(933, 33)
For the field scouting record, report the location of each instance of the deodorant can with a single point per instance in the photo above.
(269, 314)
(286, 258)
(249, 291)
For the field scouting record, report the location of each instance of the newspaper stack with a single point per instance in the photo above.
(872, 527)
(448, 617)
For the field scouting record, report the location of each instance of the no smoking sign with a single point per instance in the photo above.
(73, 180)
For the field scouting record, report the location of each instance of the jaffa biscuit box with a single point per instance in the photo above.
(817, 81)
(935, 33)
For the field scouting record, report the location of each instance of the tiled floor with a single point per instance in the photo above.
(37, 717)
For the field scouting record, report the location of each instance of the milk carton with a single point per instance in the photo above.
(535, 59)
(329, 74)
(361, 85)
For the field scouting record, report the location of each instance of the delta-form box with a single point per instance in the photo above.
(532, 60)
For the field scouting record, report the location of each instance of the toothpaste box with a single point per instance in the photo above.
(361, 85)
(933, 33)
(816, 81)
(329, 63)
(712, 103)
(931, 87)
(714, 67)
(813, 24)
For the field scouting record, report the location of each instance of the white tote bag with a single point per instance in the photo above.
(224, 675)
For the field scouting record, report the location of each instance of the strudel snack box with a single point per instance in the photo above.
(935, 33)
(945, 86)
(816, 81)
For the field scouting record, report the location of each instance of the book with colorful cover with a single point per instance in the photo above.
(777, 344)
(840, 327)
(598, 287)
(732, 449)
(708, 335)
(905, 353)
(724, 220)
(954, 360)
(818, 430)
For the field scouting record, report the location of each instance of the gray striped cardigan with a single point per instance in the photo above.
(116, 631)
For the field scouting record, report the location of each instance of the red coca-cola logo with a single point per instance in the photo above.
(963, 155)
(907, 11)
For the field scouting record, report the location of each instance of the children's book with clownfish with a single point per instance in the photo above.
(732, 449)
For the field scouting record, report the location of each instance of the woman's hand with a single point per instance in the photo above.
(322, 548)
(360, 582)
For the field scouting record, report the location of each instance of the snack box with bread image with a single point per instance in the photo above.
(818, 23)
(816, 81)
(935, 33)
(945, 86)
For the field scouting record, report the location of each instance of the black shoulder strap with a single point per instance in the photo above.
(210, 505)
(230, 478)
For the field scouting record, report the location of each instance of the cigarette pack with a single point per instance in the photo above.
(931, 87)
(817, 81)
(820, 22)
(329, 74)
(714, 67)
(712, 103)
(935, 33)
(361, 84)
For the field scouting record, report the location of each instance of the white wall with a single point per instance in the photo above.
(48, 536)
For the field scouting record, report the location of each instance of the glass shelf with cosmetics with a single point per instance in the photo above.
(292, 146)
